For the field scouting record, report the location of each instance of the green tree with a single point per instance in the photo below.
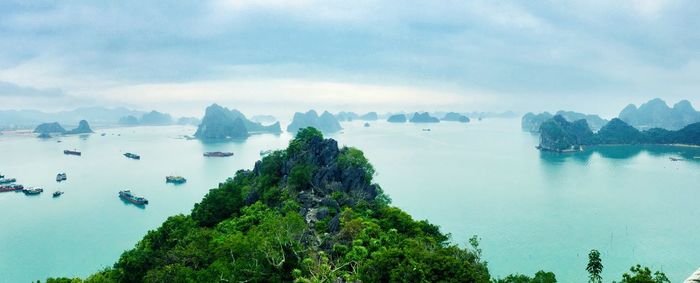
(595, 267)
(639, 274)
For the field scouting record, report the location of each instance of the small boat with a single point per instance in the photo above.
(675, 159)
(366, 125)
(72, 152)
(32, 191)
(128, 196)
(175, 179)
(132, 156)
(218, 154)
(10, 188)
(426, 130)
(265, 152)
(61, 177)
(7, 181)
(103, 134)
(57, 194)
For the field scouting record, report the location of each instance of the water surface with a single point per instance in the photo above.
(532, 210)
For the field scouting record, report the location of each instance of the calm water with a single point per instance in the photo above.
(533, 211)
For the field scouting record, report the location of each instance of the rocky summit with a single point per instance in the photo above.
(221, 123)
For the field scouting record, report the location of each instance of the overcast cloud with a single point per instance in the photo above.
(593, 56)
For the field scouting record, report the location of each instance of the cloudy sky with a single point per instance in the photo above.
(273, 55)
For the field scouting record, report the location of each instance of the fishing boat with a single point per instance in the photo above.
(32, 191)
(7, 181)
(11, 188)
(175, 179)
(72, 152)
(132, 156)
(218, 154)
(57, 194)
(128, 196)
(61, 177)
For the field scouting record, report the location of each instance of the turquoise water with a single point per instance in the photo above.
(532, 210)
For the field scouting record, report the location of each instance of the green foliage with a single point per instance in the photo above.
(639, 274)
(352, 157)
(254, 228)
(300, 177)
(594, 267)
(540, 277)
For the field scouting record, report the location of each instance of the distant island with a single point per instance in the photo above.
(221, 123)
(455, 117)
(344, 116)
(657, 114)
(397, 118)
(264, 119)
(559, 135)
(29, 119)
(327, 122)
(423, 118)
(371, 116)
(46, 129)
(531, 122)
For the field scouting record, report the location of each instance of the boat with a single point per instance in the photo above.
(11, 188)
(265, 152)
(175, 179)
(72, 152)
(7, 181)
(61, 177)
(57, 194)
(366, 125)
(32, 191)
(128, 196)
(132, 156)
(103, 134)
(675, 159)
(426, 130)
(218, 154)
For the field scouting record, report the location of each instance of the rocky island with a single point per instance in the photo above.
(397, 118)
(455, 117)
(371, 116)
(49, 128)
(327, 123)
(221, 123)
(423, 118)
(559, 135)
(83, 128)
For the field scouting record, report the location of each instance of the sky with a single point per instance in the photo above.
(271, 56)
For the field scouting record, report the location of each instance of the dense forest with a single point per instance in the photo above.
(310, 213)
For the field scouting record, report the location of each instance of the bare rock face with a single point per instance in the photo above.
(83, 128)
(326, 123)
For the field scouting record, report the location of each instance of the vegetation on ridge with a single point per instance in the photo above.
(309, 213)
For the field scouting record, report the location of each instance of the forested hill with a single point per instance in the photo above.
(309, 213)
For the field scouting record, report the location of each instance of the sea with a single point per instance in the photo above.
(531, 210)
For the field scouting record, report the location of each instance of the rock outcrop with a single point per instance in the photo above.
(221, 123)
(326, 123)
(397, 118)
(188, 121)
(49, 128)
(346, 116)
(423, 118)
(455, 117)
(83, 128)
